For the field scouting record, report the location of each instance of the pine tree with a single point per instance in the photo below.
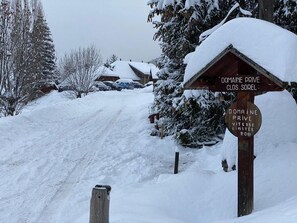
(285, 14)
(188, 119)
(110, 61)
(43, 51)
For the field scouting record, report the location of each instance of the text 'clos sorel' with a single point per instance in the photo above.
(239, 83)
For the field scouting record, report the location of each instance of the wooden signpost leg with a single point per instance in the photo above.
(245, 176)
(245, 166)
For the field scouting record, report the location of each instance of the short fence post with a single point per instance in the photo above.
(176, 162)
(99, 208)
(152, 118)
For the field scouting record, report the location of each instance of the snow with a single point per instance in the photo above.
(192, 93)
(59, 148)
(270, 46)
(191, 3)
(162, 4)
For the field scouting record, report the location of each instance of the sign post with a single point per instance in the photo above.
(244, 120)
(232, 71)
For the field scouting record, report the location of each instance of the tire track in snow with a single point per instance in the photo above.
(48, 214)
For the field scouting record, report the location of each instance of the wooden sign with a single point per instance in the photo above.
(243, 121)
(238, 83)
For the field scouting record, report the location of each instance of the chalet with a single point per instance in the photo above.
(137, 71)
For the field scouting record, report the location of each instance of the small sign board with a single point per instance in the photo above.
(243, 122)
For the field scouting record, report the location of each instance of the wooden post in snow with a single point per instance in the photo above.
(245, 164)
(176, 162)
(99, 208)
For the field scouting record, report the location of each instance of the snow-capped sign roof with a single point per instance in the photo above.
(271, 47)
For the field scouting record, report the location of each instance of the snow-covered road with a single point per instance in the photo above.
(54, 150)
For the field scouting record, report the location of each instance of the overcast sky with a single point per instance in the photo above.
(115, 26)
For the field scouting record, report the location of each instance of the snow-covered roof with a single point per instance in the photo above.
(123, 69)
(146, 68)
(268, 45)
(143, 67)
(102, 70)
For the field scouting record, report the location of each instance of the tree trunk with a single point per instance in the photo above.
(242, 4)
(266, 8)
(78, 95)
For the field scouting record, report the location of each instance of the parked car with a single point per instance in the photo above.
(112, 85)
(100, 86)
(138, 85)
(125, 83)
(62, 87)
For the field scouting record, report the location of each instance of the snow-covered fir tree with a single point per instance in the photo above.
(192, 122)
(43, 50)
(110, 60)
(285, 14)
(178, 27)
